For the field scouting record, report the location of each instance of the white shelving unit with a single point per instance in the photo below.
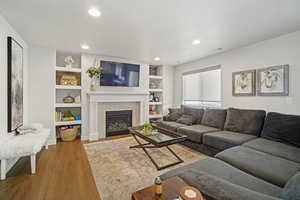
(68, 105)
(68, 123)
(156, 79)
(64, 69)
(62, 91)
(155, 90)
(67, 87)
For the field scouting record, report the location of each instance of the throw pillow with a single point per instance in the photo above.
(171, 110)
(173, 116)
(291, 190)
(185, 119)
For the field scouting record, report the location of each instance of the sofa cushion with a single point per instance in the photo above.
(171, 110)
(271, 168)
(225, 139)
(172, 126)
(222, 170)
(173, 116)
(197, 113)
(217, 188)
(282, 128)
(214, 118)
(291, 190)
(275, 148)
(195, 132)
(186, 119)
(245, 121)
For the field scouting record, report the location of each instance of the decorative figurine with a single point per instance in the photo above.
(69, 61)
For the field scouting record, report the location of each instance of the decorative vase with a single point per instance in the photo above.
(94, 82)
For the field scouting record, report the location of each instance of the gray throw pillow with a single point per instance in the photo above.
(173, 116)
(185, 119)
(172, 110)
(291, 190)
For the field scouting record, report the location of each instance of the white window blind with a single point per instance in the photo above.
(202, 88)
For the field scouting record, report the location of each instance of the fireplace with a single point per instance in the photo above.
(118, 122)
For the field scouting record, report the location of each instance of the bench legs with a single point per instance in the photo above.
(3, 169)
(33, 163)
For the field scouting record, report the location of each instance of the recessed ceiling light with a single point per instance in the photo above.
(157, 58)
(196, 42)
(84, 46)
(94, 12)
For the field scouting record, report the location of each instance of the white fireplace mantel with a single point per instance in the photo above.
(95, 98)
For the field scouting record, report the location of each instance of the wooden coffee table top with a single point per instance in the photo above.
(171, 188)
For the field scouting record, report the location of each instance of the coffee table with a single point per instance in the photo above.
(171, 189)
(158, 140)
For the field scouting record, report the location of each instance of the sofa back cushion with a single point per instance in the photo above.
(291, 190)
(214, 118)
(186, 119)
(196, 113)
(172, 116)
(282, 128)
(245, 121)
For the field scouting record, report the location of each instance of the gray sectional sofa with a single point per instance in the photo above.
(253, 155)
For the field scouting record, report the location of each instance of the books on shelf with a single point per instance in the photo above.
(59, 116)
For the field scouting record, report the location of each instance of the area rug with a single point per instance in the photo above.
(119, 171)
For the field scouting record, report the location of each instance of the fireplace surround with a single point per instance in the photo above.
(100, 102)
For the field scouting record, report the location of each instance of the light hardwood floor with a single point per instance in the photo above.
(63, 173)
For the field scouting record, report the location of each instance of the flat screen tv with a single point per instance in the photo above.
(120, 74)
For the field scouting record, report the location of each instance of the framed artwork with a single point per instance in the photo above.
(14, 84)
(273, 81)
(243, 83)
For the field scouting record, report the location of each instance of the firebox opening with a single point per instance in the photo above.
(118, 122)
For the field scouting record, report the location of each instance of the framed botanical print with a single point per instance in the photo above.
(273, 81)
(243, 83)
(14, 84)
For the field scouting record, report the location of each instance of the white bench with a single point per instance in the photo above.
(22, 145)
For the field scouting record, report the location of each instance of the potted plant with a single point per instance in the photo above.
(94, 73)
(148, 128)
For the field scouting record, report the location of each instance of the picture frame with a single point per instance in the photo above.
(273, 81)
(14, 84)
(244, 83)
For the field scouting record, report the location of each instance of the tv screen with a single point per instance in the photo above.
(120, 74)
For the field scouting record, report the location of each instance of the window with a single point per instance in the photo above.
(202, 88)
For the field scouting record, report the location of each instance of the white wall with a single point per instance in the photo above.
(5, 31)
(281, 50)
(42, 81)
(168, 87)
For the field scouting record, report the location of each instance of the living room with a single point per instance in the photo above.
(150, 99)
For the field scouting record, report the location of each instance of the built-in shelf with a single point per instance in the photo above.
(65, 69)
(155, 90)
(155, 77)
(67, 105)
(67, 123)
(155, 103)
(67, 87)
(155, 116)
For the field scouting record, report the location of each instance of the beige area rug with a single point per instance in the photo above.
(119, 171)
